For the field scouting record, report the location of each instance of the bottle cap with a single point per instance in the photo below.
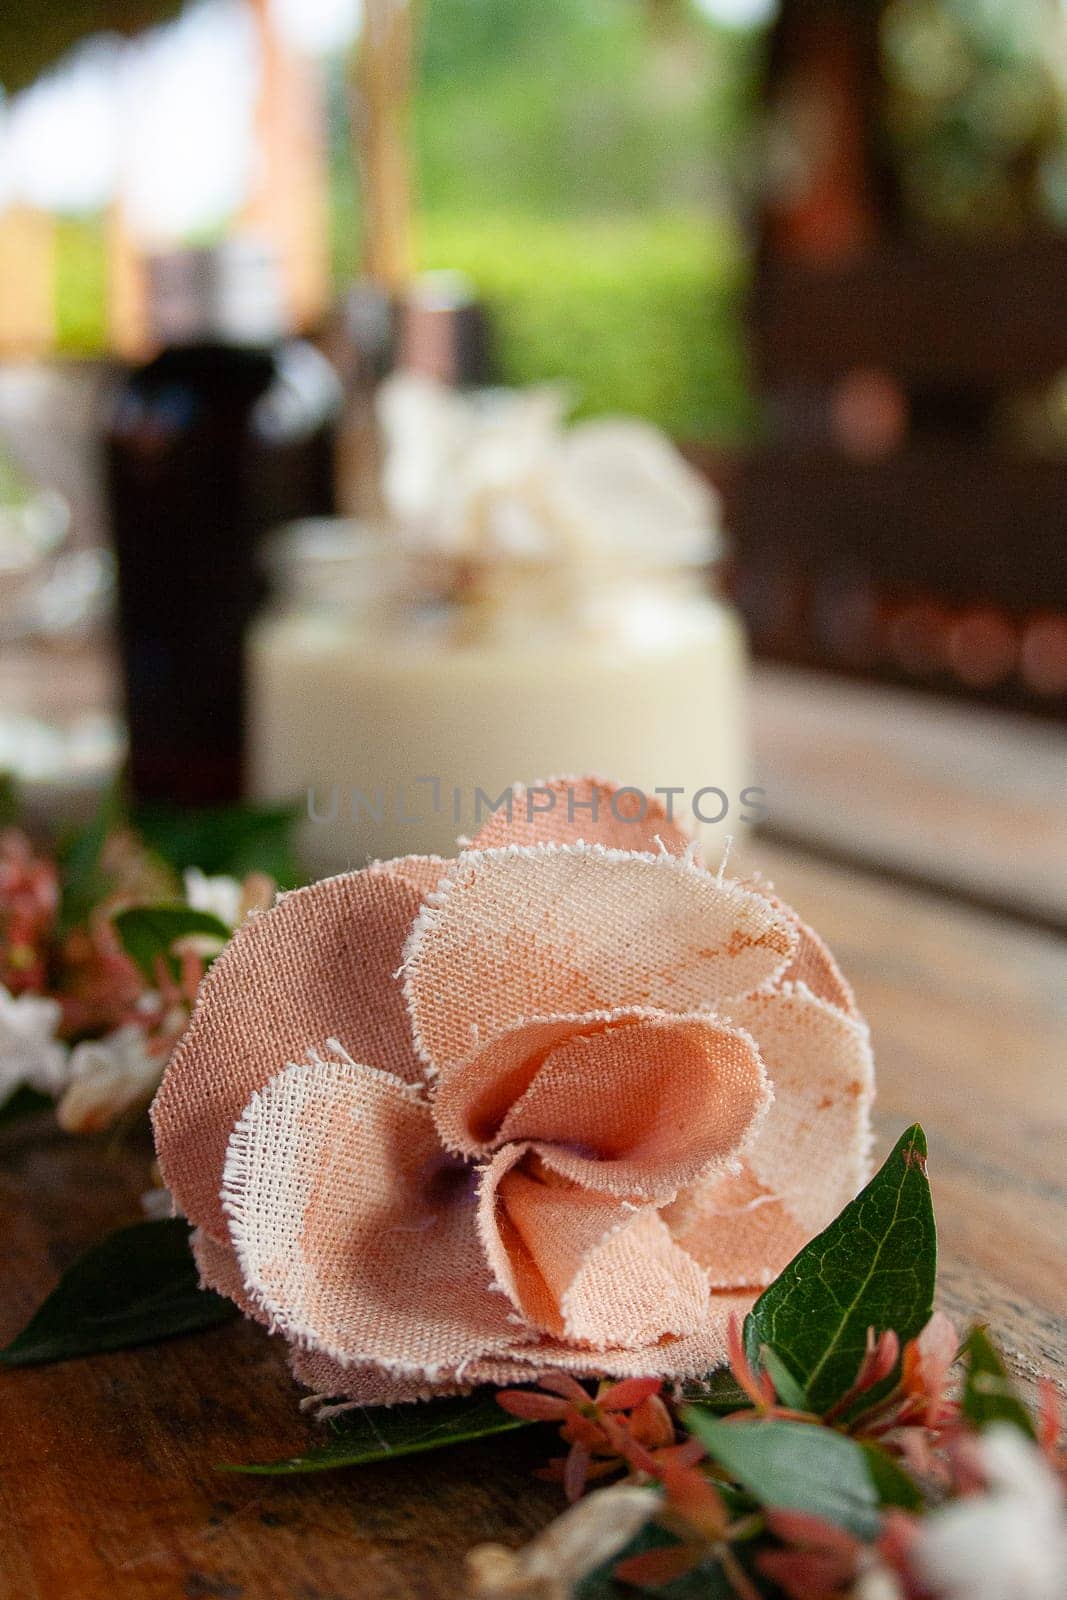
(232, 293)
(444, 331)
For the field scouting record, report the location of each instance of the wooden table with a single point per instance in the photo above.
(108, 1488)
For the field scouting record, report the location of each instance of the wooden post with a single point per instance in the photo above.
(27, 282)
(127, 290)
(381, 109)
(289, 206)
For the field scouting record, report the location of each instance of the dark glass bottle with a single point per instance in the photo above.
(224, 434)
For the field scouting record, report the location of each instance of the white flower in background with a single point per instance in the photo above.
(108, 1077)
(461, 470)
(157, 1204)
(877, 1583)
(30, 1053)
(553, 1564)
(222, 897)
(498, 474)
(188, 108)
(624, 483)
(1009, 1543)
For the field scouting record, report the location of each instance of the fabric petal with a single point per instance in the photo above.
(581, 1267)
(322, 963)
(220, 1270)
(815, 967)
(692, 1356)
(365, 1383)
(814, 1146)
(354, 1234)
(577, 810)
(634, 1104)
(423, 873)
(737, 1229)
(635, 1288)
(811, 1154)
(557, 930)
(471, 1101)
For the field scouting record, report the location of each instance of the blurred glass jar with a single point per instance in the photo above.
(59, 742)
(34, 523)
(397, 695)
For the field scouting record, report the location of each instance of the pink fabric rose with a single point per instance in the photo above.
(566, 1101)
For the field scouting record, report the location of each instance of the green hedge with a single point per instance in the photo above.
(642, 313)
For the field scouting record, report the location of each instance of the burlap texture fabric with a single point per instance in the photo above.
(566, 1101)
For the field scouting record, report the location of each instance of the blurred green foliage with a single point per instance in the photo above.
(577, 160)
(81, 283)
(570, 106)
(977, 108)
(642, 313)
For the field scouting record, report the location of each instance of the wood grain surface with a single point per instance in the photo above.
(968, 1014)
(969, 799)
(108, 1481)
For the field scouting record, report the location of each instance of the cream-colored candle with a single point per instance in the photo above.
(386, 735)
(547, 611)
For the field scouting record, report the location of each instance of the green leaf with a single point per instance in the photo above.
(136, 1287)
(23, 1102)
(232, 840)
(719, 1392)
(147, 932)
(989, 1395)
(83, 882)
(9, 800)
(789, 1391)
(895, 1486)
(799, 1466)
(874, 1267)
(384, 1432)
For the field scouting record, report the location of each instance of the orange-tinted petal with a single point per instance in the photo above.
(643, 1105)
(354, 1234)
(814, 964)
(739, 1230)
(362, 1382)
(580, 1266)
(813, 1148)
(576, 810)
(365, 1383)
(322, 963)
(811, 1153)
(692, 1356)
(471, 1101)
(549, 931)
(220, 1270)
(635, 1103)
(424, 873)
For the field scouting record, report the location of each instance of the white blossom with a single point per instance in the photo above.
(30, 1052)
(221, 896)
(877, 1583)
(157, 1204)
(1007, 1543)
(553, 1564)
(498, 475)
(108, 1077)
